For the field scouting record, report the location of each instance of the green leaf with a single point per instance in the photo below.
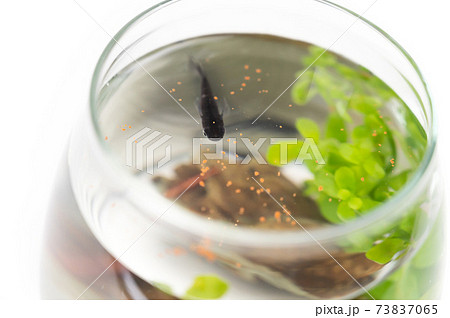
(328, 208)
(374, 169)
(355, 203)
(302, 91)
(344, 194)
(207, 287)
(381, 193)
(365, 104)
(336, 128)
(350, 153)
(342, 110)
(273, 154)
(403, 284)
(344, 212)
(308, 128)
(408, 222)
(384, 290)
(362, 137)
(396, 182)
(335, 160)
(345, 179)
(319, 56)
(369, 204)
(357, 242)
(384, 252)
(326, 182)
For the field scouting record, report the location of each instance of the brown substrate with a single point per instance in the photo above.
(230, 193)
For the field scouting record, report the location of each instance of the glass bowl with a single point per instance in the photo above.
(178, 251)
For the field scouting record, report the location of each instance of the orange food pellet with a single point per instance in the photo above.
(178, 251)
(258, 70)
(262, 219)
(247, 78)
(202, 251)
(277, 215)
(241, 210)
(202, 183)
(238, 191)
(229, 183)
(261, 180)
(232, 93)
(320, 188)
(256, 173)
(243, 84)
(246, 66)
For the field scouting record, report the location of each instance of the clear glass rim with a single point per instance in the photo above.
(259, 237)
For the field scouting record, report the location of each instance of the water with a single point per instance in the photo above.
(248, 74)
(134, 99)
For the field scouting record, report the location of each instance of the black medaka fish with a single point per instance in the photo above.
(212, 117)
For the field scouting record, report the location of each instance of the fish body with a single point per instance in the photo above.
(212, 117)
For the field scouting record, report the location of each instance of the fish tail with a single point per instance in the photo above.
(195, 64)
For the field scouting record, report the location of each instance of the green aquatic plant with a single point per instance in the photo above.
(412, 280)
(359, 147)
(207, 287)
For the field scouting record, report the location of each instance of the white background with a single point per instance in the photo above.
(48, 52)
